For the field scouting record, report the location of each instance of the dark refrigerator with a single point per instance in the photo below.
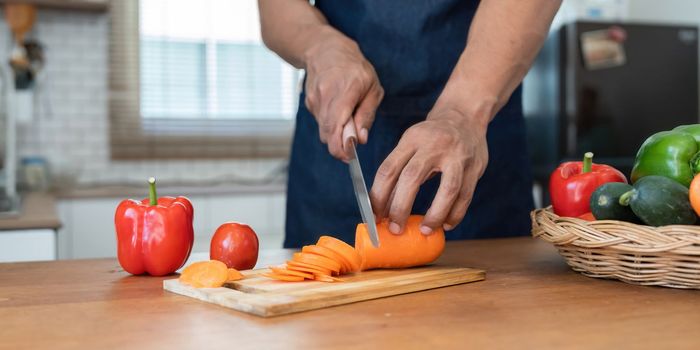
(605, 87)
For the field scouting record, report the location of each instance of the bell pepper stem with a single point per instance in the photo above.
(625, 198)
(587, 162)
(152, 191)
(695, 164)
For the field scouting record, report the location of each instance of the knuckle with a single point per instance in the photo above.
(386, 170)
(323, 88)
(452, 185)
(326, 127)
(412, 172)
(309, 101)
(380, 92)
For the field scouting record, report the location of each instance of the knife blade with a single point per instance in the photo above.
(358, 182)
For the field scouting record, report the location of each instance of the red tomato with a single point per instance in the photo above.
(236, 245)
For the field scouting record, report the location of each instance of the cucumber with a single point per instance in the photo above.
(605, 203)
(660, 201)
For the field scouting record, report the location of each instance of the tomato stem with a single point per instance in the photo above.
(587, 162)
(152, 191)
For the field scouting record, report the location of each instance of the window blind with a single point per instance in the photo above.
(193, 79)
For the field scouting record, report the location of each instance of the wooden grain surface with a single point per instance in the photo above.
(263, 296)
(530, 299)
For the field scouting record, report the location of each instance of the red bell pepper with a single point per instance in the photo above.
(155, 235)
(572, 183)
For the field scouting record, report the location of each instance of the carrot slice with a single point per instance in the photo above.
(234, 275)
(287, 278)
(326, 278)
(343, 249)
(330, 254)
(205, 274)
(284, 271)
(317, 260)
(304, 267)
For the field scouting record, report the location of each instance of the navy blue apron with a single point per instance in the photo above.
(413, 45)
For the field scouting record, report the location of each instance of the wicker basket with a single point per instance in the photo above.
(666, 256)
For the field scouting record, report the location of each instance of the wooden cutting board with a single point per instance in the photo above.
(259, 295)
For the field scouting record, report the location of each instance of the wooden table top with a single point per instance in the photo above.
(530, 299)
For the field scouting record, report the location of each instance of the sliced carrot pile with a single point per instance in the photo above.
(319, 262)
(345, 250)
(304, 267)
(284, 271)
(234, 275)
(287, 278)
(205, 274)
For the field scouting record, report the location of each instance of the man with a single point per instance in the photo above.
(425, 99)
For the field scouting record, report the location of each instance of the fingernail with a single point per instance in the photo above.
(426, 230)
(363, 134)
(447, 227)
(394, 228)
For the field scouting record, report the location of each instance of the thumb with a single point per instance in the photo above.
(366, 111)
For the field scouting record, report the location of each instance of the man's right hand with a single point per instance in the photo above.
(340, 84)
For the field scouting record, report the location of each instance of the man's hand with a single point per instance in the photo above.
(447, 143)
(340, 84)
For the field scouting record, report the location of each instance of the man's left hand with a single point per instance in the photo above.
(447, 142)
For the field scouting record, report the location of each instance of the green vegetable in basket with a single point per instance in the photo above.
(659, 201)
(674, 154)
(605, 203)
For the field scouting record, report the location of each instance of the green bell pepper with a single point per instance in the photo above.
(674, 154)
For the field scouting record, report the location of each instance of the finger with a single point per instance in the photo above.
(366, 111)
(460, 206)
(386, 177)
(338, 112)
(412, 176)
(447, 193)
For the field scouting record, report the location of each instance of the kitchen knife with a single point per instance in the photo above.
(358, 181)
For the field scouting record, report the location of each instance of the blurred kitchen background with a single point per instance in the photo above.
(98, 95)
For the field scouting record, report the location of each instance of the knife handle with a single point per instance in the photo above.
(349, 134)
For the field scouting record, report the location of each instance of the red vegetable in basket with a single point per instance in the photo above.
(571, 185)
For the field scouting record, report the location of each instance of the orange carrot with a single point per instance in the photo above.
(330, 254)
(317, 260)
(343, 249)
(411, 248)
(285, 271)
(233, 275)
(205, 274)
(296, 266)
(286, 278)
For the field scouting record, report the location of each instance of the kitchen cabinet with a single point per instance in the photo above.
(30, 235)
(88, 223)
(27, 245)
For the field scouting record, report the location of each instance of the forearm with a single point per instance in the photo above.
(293, 29)
(504, 39)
